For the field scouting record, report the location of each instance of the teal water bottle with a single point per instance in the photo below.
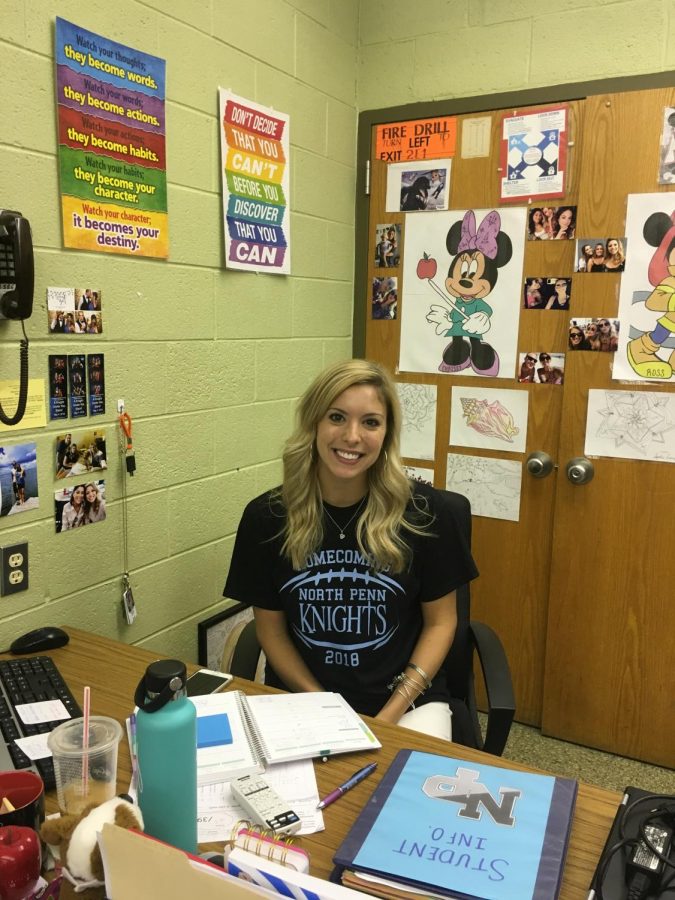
(166, 739)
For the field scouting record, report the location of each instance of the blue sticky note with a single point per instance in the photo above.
(212, 731)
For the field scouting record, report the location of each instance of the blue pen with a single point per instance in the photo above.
(356, 778)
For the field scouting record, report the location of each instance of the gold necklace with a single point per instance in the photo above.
(340, 529)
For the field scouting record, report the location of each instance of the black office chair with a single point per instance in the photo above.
(470, 638)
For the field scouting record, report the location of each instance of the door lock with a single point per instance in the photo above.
(580, 470)
(539, 464)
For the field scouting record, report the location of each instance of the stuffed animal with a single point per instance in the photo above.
(75, 836)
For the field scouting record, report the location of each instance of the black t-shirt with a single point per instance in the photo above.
(354, 627)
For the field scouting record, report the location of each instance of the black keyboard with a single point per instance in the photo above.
(29, 680)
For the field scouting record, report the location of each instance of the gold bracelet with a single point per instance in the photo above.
(421, 672)
(409, 683)
(420, 687)
(403, 691)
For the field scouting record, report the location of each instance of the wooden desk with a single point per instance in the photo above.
(113, 671)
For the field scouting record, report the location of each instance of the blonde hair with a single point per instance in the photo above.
(389, 490)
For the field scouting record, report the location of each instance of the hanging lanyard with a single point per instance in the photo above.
(125, 425)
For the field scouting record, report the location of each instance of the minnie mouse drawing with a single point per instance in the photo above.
(478, 254)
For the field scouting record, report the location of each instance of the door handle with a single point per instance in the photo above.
(539, 464)
(580, 470)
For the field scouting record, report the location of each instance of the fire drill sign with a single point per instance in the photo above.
(112, 155)
(419, 139)
(254, 143)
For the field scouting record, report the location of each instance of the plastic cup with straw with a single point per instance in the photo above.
(86, 703)
(84, 752)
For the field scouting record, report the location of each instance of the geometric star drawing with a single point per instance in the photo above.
(635, 419)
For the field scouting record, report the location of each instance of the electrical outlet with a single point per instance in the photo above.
(14, 574)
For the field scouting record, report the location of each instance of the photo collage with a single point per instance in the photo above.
(77, 390)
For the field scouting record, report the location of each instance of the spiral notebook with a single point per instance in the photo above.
(276, 864)
(239, 735)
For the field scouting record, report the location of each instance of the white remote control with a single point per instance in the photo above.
(264, 805)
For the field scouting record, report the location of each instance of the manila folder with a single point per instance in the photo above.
(139, 866)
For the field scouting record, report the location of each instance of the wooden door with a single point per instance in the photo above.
(581, 588)
(609, 672)
(514, 558)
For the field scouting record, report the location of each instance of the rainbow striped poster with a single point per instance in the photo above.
(255, 167)
(112, 155)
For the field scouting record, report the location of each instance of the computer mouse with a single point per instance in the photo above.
(47, 638)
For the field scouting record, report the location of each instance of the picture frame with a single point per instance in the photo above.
(219, 631)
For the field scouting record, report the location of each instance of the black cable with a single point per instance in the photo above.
(639, 887)
(604, 865)
(23, 383)
(640, 883)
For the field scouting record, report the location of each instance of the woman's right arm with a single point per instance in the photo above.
(272, 631)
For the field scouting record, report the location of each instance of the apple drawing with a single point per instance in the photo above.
(426, 267)
(20, 858)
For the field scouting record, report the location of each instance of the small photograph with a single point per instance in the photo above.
(594, 334)
(667, 149)
(58, 386)
(541, 292)
(80, 453)
(424, 190)
(388, 245)
(18, 479)
(551, 223)
(77, 387)
(384, 299)
(74, 311)
(87, 300)
(542, 368)
(601, 255)
(82, 504)
(95, 368)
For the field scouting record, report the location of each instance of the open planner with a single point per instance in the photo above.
(239, 735)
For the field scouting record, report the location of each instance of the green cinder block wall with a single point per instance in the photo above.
(209, 361)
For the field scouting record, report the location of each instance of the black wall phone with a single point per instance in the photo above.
(16, 291)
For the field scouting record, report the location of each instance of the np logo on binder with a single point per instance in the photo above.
(465, 790)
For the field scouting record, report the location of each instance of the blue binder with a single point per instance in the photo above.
(461, 829)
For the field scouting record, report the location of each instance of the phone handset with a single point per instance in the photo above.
(16, 292)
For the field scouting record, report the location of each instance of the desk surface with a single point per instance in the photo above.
(113, 670)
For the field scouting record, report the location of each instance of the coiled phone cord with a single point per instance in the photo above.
(23, 383)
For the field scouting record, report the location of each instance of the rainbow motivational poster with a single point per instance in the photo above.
(255, 162)
(112, 148)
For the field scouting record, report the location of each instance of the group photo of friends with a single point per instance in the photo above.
(556, 223)
(75, 323)
(83, 504)
(542, 368)
(594, 334)
(74, 311)
(79, 455)
(601, 255)
(541, 292)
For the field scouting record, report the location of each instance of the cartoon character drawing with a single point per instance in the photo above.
(659, 232)
(465, 317)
